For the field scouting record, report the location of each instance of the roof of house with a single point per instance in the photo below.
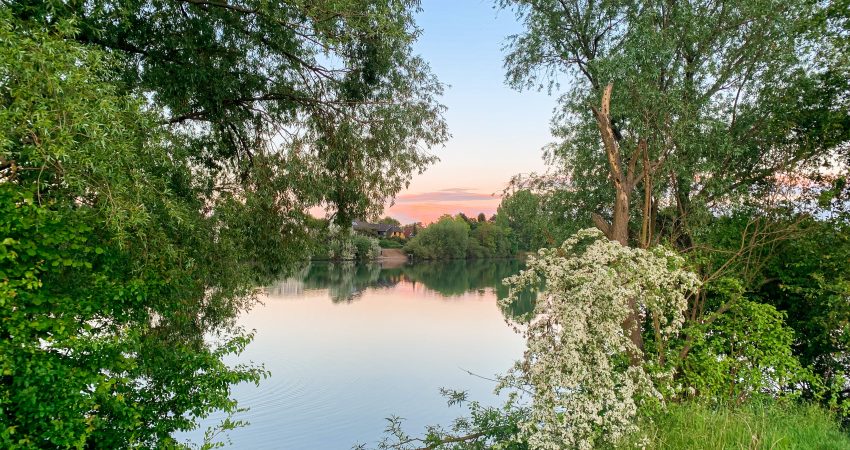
(379, 227)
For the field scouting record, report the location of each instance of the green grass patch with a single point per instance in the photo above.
(756, 426)
(386, 243)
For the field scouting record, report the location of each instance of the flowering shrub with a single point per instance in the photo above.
(579, 362)
(340, 243)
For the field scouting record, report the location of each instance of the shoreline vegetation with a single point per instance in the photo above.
(448, 238)
(159, 160)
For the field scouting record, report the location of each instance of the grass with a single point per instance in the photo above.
(768, 426)
(386, 243)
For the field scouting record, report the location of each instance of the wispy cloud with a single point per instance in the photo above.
(445, 195)
(428, 212)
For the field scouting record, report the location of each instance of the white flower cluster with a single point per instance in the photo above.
(577, 366)
(340, 245)
(374, 249)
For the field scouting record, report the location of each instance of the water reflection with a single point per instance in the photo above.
(345, 282)
(348, 345)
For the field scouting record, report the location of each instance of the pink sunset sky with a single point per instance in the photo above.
(496, 132)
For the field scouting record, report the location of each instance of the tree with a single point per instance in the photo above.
(157, 159)
(282, 106)
(390, 221)
(447, 238)
(522, 212)
(684, 97)
(482, 218)
(706, 107)
(489, 240)
(113, 275)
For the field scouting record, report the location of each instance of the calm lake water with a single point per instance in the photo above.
(349, 345)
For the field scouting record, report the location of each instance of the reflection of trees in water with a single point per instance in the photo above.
(290, 286)
(457, 277)
(346, 281)
(522, 307)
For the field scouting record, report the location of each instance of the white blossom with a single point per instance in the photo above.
(585, 392)
(340, 245)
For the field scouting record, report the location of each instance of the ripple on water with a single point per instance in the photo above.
(339, 369)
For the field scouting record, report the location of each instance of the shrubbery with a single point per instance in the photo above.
(448, 238)
(728, 379)
(365, 248)
(109, 278)
(337, 244)
(459, 238)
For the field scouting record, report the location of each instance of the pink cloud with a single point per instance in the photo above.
(426, 207)
(446, 195)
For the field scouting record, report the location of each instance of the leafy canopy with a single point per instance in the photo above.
(109, 280)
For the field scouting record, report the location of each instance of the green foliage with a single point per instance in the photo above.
(802, 274)
(366, 248)
(808, 280)
(489, 240)
(82, 358)
(741, 352)
(390, 243)
(743, 109)
(307, 103)
(732, 98)
(112, 276)
(523, 214)
(455, 238)
(754, 426)
(688, 426)
(447, 238)
(339, 244)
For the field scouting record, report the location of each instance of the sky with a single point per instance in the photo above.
(496, 131)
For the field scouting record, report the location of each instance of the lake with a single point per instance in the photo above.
(348, 345)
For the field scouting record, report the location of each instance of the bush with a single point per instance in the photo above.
(365, 248)
(453, 238)
(448, 238)
(745, 353)
(584, 374)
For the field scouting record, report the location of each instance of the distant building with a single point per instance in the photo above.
(382, 230)
(409, 230)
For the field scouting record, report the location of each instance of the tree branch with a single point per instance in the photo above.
(602, 224)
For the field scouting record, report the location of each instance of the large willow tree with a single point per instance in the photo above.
(720, 127)
(282, 105)
(156, 160)
(686, 105)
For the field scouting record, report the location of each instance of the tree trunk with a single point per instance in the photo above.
(620, 221)
(624, 182)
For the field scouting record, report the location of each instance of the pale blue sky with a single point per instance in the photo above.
(496, 131)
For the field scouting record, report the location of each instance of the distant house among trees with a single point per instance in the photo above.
(410, 230)
(382, 230)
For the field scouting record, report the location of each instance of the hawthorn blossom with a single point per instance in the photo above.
(585, 392)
